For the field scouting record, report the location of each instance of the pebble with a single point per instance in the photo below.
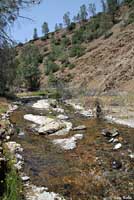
(25, 178)
(131, 156)
(116, 164)
(117, 146)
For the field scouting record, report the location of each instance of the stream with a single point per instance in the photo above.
(85, 172)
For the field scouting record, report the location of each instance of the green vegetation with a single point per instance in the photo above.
(45, 29)
(28, 72)
(50, 67)
(13, 184)
(35, 34)
(76, 50)
(7, 69)
(66, 19)
(131, 18)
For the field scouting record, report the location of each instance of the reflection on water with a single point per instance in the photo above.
(83, 173)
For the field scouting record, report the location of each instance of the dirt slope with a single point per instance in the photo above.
(108, 63)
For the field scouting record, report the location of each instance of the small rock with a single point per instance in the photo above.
(18, 156)
(111, 140)
(25, 178)
(117, 146)
(115, 134)
(115, 140)
(106, 133)
(21, 134)
(131, 155)
(62, 117)
(7, 137)
(79, 128)
(19, 165)
(116, 164)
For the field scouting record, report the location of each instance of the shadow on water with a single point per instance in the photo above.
(83, 173)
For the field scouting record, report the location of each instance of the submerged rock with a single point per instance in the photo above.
(68, 143)
(116, 164)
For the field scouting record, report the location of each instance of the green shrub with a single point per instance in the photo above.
(45, 49)
(76, 50)
(43, 38)
(13, 184)
(71, 66)
(65, 42)
(78, 38)
(63, 35)
(50, 67)
(131, 18)
(108, 34)
(71, 26)
(57, 41)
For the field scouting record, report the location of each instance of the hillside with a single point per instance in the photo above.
(105, 63)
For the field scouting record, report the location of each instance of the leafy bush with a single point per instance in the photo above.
(44, 38)
(76, 50)
(63, 35)
(71, 26)
(28, 69)
(71, 66)
(45, 49)
(78, 38)
(131, 18)
(108, 34)
(50, 67)
(65, 42)
(57, 41)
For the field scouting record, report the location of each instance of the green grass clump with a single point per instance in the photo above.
(13, 184)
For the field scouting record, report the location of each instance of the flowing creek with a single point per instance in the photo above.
(85, 172)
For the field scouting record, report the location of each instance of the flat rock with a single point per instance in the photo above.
(40, 193)
(37, 119)
(50, 128)
(86, 113)
(79, 128)
(62, 117)
(64, 131)
(68, 143)
(44, 104)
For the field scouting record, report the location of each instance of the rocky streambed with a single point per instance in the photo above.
(68, 154)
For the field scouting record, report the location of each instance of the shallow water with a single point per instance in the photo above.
(85, 172)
